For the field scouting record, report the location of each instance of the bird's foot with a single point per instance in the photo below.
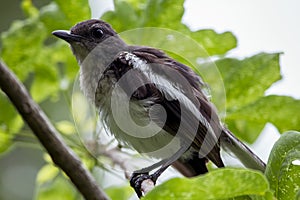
(137, 179)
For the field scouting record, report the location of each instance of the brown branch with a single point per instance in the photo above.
(60, 153)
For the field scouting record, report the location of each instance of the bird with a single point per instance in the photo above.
(152, 103)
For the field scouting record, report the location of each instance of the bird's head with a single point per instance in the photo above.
(86, 35)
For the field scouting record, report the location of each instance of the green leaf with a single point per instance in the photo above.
(5, 140)
(75, 11)
(28, 46)
(59, 189)
(10, 123)
(47, 173)
(25, 53)
(279, 110)
(215, 43)
(247, 80)
(124, 16)
(29, 9)
(53, 17)
(45, 82)
(245, 129)
(247, 109)
(31, 52)
(65, 127)
(218, 184)
(119, 193)
(283, 168)
(166, 14)
(21, 45)
(62, 56)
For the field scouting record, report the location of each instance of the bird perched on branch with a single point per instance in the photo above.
(152, 103)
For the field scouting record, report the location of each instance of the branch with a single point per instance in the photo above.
(60, 153)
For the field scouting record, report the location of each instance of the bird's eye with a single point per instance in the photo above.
(97, 33)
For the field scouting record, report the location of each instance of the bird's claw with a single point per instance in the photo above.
(137, 179)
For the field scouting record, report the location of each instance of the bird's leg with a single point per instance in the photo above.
(143, 174)
(139, 176)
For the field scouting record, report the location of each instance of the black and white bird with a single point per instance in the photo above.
(152, 103)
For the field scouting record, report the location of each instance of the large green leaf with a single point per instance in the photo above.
(283, 169)
(247, 80)
(219, 184)
(245, 83)
(279, 110)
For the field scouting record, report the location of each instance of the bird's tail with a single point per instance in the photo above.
(241, 151)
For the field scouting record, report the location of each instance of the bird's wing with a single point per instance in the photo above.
(190, 115)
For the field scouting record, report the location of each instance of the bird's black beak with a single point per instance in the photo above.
(67, 36)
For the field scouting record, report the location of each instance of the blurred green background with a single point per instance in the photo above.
(19, 166)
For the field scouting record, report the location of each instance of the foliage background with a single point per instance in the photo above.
(19, 166)
(33, 58)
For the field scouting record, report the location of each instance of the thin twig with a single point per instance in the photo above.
(126, 164)
(60, 153)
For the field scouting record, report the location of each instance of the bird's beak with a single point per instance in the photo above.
(67, 36)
